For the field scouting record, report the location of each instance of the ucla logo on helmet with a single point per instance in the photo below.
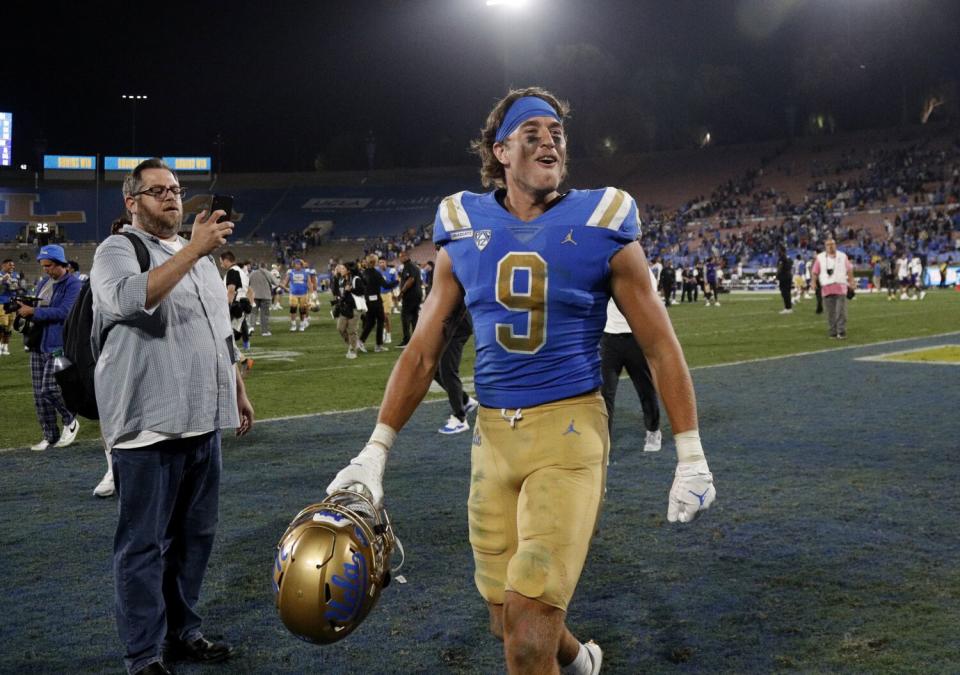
(481, 238)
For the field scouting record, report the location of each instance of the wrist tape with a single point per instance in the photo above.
(688, 446)
(383, 435)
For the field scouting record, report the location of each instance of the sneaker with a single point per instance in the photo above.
(105, 487)
(472, 404)
(267, 334)
(913, 297)
(305, 323)
(716, 304)
(387, 339)
(786, 311)
(351, 354)
(361, 348)
(454, 426)
(41, 446)
(381, 348)
(923, 294)
(842, 336)
(596, 656)
(69, 433)
(653, 441)
(903, 296)
(293, 326)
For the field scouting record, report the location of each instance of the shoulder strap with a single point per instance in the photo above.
(143, 255)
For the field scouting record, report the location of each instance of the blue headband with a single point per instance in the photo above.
(520, 111)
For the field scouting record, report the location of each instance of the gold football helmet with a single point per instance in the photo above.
(330, 566)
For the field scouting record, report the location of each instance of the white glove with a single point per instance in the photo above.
(692, 491)
(365, 469)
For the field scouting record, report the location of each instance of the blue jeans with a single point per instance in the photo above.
(168, 508)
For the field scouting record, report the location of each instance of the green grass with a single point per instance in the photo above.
(304, 373)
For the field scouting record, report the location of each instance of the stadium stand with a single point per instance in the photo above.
(876, 190)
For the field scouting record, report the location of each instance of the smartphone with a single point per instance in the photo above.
(222, 203)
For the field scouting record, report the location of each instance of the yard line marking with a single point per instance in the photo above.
(885, 357)
(824, 351)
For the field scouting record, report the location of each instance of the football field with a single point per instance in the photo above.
(831, 547)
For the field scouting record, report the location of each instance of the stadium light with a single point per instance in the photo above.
(133, 98)
(512, 4)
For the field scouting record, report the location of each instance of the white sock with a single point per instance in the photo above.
(581, 665)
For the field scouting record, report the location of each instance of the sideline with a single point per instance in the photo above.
(765, 359)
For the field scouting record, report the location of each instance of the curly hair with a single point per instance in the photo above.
(491, 170)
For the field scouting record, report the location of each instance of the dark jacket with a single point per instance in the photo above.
(373, 281)
(784, 271)
(53, 316)
(414, 294)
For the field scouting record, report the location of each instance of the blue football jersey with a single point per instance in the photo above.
(298, 281)
(537, 291)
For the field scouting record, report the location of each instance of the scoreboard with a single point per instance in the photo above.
(179, 164)
(70, 162)
(6, 138)
(125, 164)
(41, 233)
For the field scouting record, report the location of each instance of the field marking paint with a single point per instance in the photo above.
(824, 351)
(885, 357)
(328, 413)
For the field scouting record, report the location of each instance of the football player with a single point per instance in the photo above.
(536, 268)
(297, 284)
(386, 295)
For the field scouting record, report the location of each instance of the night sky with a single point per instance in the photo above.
(292, 85)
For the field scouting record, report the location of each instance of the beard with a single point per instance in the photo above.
(161, 224)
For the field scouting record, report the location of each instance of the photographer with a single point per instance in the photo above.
(345, 308)
(55, 296)
(239, 300)
(10, 287)
(834, 274)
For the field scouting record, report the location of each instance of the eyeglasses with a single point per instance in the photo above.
(159, 192)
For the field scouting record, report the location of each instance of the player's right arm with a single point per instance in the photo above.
(408, 383)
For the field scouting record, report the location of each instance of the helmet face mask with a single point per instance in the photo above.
(330, 566)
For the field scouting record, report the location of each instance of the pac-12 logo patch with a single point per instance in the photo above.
(481, 238)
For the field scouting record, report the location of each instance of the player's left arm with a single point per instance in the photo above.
(633, 291)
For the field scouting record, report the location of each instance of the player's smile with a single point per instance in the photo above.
(535, 155)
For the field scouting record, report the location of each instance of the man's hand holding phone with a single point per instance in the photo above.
(208, 234)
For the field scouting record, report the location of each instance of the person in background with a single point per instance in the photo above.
(411, 296)
(619, 350)
(448, 374)
(10, 285)
(261, 283)
(297, 285)
(373, 282)
(74, 267)
(785, 280)
(56, 292)
(834, 274)
(389, 273)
